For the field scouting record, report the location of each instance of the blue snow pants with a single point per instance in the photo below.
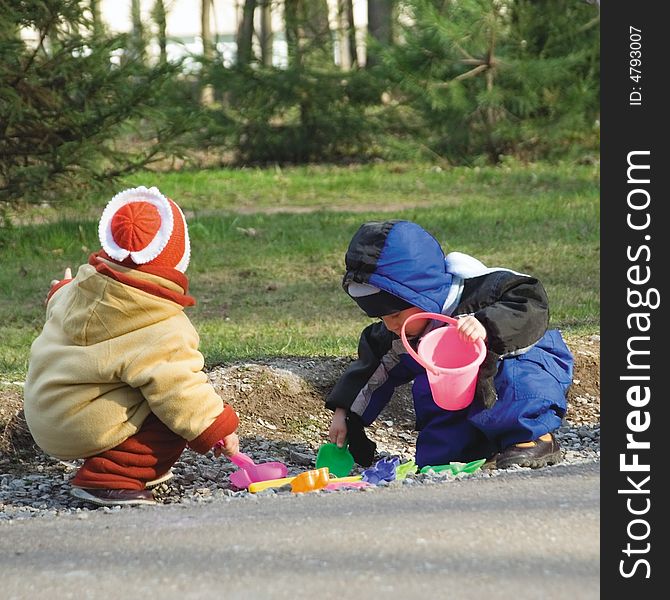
(531, 401)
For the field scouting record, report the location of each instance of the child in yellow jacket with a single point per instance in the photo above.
(115, 376)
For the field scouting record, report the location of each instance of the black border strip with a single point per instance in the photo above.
(633, 273)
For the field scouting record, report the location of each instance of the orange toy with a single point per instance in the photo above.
(311, 480)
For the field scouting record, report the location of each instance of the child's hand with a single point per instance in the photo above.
(337, 433)
(66, 275)
(228, 446)
(469, 328)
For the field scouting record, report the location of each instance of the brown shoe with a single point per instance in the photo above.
(105, 497)
(535, 454)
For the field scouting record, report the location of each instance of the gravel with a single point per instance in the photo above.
(280, 405)
(45, 493)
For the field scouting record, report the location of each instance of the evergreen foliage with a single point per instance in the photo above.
(70, 115)
(469, 81)
(297, 115)
(500, 77)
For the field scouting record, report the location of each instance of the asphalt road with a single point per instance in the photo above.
(524, 535)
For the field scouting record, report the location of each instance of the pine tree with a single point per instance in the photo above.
(495, 77)
(66, 108)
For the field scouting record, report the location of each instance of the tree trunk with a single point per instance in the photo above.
(160, 18)
(380, 28)
(266, 37)
(308, 34)
(137, 47)
(317, 34)
(292, 24)
(245, 33)
(206, 29)
(351, 28)
(96, 17)
(206, 92)
(347, 34)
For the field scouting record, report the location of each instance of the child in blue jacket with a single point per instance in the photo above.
(395, 269)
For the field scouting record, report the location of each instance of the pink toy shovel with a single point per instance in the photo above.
(250, 472)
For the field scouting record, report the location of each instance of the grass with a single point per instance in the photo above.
(268, 247)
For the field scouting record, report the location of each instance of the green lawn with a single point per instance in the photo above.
(268, 247)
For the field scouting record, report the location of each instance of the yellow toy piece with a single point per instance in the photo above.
(270, 483)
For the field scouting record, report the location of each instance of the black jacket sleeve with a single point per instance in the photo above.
(374, 343)
(515, 313)
(513, 308)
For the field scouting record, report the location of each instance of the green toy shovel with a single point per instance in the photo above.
(456, 467)
(338, 460)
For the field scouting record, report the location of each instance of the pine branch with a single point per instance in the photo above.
(33, 55)
(471, 73)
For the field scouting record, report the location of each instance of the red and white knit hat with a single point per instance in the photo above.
(146, 226)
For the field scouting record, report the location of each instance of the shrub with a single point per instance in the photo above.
(295, 115)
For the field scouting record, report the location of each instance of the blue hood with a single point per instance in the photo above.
(402, 258)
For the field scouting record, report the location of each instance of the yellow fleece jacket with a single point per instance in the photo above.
(108, 355)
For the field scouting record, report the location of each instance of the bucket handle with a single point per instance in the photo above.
(415, 317)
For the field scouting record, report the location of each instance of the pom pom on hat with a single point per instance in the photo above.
(144, 225)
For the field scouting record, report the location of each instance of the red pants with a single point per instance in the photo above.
(141, 458)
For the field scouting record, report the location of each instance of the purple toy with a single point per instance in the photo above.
(383, 470)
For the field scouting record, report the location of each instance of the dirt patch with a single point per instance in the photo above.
(15, 439)
(584, 394)
(283, 399)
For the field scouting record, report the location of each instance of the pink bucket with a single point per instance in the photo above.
(450, 362)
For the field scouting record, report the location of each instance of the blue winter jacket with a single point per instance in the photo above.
(522, 383)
